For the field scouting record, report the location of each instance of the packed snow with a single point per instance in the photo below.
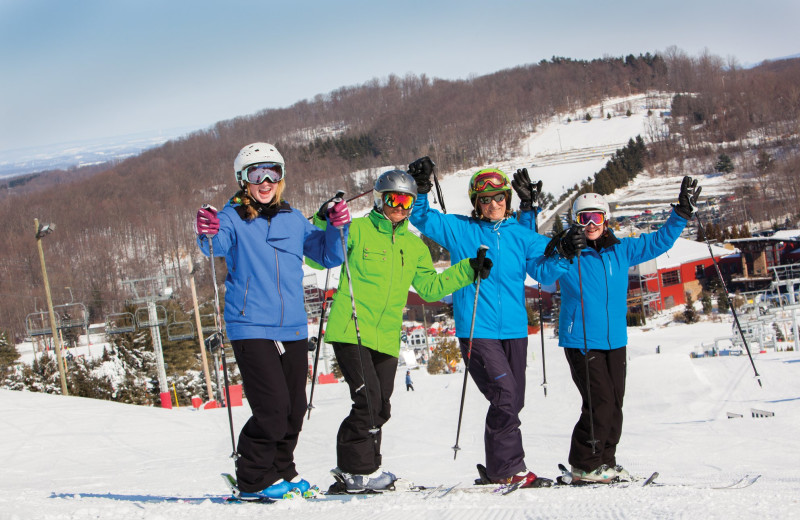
(75, 458)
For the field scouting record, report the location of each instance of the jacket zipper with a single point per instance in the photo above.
(608, 325)
(246, 289)
(277, 275)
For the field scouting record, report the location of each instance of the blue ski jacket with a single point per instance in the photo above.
(264, 284)
(604, 276)
(515, 250)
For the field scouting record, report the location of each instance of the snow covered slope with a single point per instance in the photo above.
(74, 458)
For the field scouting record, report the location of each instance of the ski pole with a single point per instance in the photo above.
(351, 198)
(319, 341)
(592, 441)
(373, 429)
(733, 308)
(215, 340)
(538, 188)
(438, 190)
(481, 255)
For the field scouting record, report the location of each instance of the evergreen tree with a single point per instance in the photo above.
(558, 227)
(689, 313)
(724, 164)
(723, 303)
(705, 299)
(8, 357)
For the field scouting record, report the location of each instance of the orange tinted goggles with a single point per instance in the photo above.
(398, 200)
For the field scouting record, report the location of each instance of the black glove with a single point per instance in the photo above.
(568, 243)
(527, 191)
(322, 212)
(421, 170)
(687, 199)
(481, 268)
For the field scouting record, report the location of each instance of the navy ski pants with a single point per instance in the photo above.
(275, 386)
(606, 381)
(498, 369)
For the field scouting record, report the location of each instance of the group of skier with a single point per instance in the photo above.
(264, 242)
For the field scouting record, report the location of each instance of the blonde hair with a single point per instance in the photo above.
(244, 198)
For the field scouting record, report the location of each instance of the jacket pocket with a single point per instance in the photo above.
(376, 260)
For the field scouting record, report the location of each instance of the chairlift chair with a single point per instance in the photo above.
(180, 330)
(120, 323)
(143, 317)
(38, 323)
(312, 296)
(73, 315)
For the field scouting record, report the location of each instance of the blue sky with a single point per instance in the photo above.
(84, 70)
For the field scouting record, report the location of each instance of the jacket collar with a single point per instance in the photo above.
(606, 240)
(384, 225)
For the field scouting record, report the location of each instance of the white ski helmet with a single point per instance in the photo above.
(589, 202)
(253, 154)
(397, 181)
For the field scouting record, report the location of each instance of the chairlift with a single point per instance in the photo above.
(143, 317)
(180, 330)
(208, 321)
(73, 315)
(312, 296)
(120, 323)
(38, 323)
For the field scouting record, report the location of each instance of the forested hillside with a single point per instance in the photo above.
(134, 219)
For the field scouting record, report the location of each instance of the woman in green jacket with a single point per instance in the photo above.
(385, 260)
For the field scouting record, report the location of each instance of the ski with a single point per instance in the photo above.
(238, 496)
(339, 488)
(738, 483)
(504, 489)
(566, 479)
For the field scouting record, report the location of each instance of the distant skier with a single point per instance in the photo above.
(263, 240)
(592, 320)
(500, 343)
(409, 383)
(385, 258)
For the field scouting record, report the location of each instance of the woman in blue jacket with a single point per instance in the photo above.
(500, 339)
(592, 324)
(263, 240)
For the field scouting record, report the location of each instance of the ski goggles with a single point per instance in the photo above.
(489, 198)
(489, 181)
(591, 217)
(398, 200)
(260, 172)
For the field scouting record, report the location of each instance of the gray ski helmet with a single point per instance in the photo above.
(397, 181)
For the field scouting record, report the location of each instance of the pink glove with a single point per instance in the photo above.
(339, 214)
(207, 222)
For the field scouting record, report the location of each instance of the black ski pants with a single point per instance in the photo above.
(275, 386)
(606, 379)
(498, 369)
(357, 449)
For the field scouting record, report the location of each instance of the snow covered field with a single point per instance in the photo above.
(74, 458)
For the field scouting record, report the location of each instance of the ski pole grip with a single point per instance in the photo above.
(482, 250)
(338, 197)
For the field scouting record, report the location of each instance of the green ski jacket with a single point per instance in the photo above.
(384, 263)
